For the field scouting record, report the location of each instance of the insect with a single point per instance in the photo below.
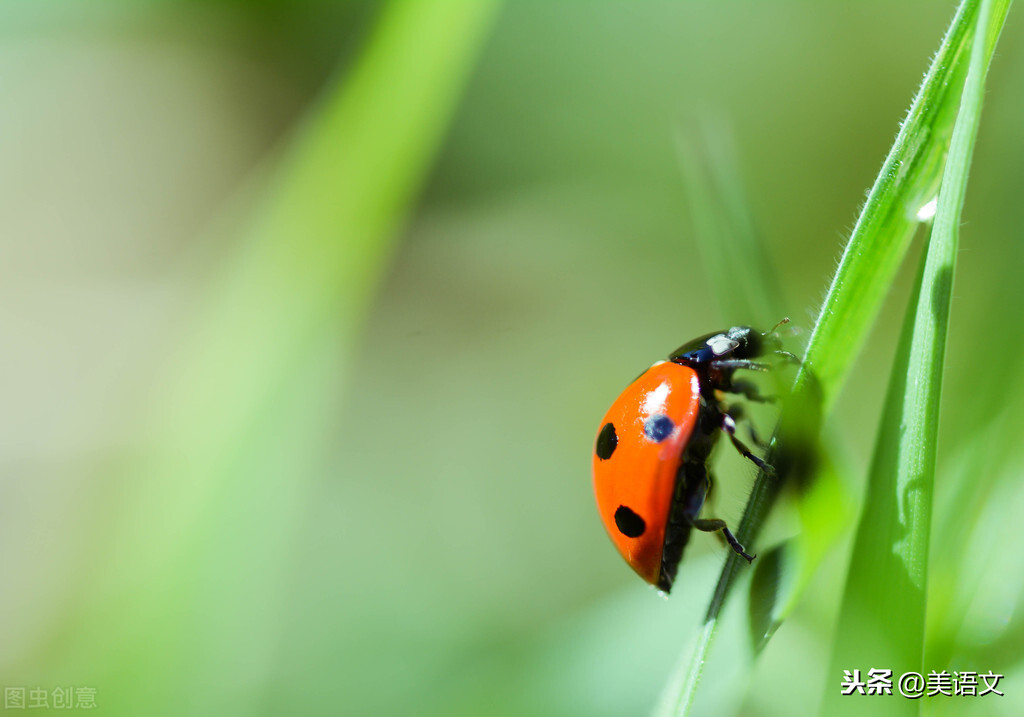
(651, 473)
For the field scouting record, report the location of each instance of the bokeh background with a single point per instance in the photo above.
(280, 438)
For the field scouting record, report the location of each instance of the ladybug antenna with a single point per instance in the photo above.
(775, 328)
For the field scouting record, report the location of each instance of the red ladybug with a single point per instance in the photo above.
(651, 455)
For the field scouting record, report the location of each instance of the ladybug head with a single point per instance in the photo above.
(737, 342)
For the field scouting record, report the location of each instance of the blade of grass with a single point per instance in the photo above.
(888, 570)
(990, 628)
(825, 511)
(739, 267)
(192, 589)
(886, 224)
(969, 495)
(724, 232)
(807, 551)
(980, 612)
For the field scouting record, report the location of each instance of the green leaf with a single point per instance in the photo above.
(200, 564)
(907, 181)
(888, 570)
(731, 251)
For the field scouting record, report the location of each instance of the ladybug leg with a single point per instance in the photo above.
(740, 363)
(710, 494)
(738, 414)
(754, 437)
(711, 525)
(729, 426)
(749, 391)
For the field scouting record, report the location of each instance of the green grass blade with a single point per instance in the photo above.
(318, 244)
(974, 492)
(192, 593)
(908, 179)
(825, 511)
(825, 488)
(888, 570)
(734, 258)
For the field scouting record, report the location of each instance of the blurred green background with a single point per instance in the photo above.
(312, 310)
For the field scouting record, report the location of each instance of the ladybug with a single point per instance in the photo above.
(651, 473)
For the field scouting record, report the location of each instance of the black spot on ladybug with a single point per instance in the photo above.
(629, 523)
(658, 427)
(606, 442)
